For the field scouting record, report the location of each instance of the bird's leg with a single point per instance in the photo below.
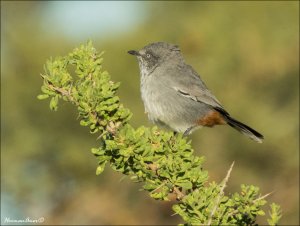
(188, 131)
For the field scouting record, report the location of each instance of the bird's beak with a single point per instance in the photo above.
(133, 52)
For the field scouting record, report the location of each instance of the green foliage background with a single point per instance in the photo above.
(248, 54)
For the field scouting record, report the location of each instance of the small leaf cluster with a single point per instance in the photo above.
(275, 214)
(238, 209)
(89, 88)
(163, 161)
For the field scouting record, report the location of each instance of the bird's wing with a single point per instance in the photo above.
(189, 85)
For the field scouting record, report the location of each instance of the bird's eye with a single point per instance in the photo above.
(148, 55)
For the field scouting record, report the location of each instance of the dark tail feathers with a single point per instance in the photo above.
(241, 127)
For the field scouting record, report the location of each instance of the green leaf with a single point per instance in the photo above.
(83, 122)
(43, 96)
(184, 184)
(54, 103)
(97, 151)
(100, 168)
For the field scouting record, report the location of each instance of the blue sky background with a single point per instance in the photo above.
(82, 19)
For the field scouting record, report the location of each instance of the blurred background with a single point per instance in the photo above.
(246, 52)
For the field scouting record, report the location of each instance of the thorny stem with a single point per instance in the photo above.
(220, 195)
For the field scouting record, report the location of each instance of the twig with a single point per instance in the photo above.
(262, 197)
(102, 134)
(63, 92)
(178, 193)
(220, 195)
(160, 186)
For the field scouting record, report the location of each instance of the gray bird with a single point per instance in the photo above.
(174, 95)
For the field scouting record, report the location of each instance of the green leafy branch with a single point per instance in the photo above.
(163, 161)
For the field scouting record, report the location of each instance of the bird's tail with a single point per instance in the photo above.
(241, 127)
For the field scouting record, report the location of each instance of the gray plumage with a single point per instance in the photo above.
(174, 95)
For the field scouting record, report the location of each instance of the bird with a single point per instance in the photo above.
(174, 95)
